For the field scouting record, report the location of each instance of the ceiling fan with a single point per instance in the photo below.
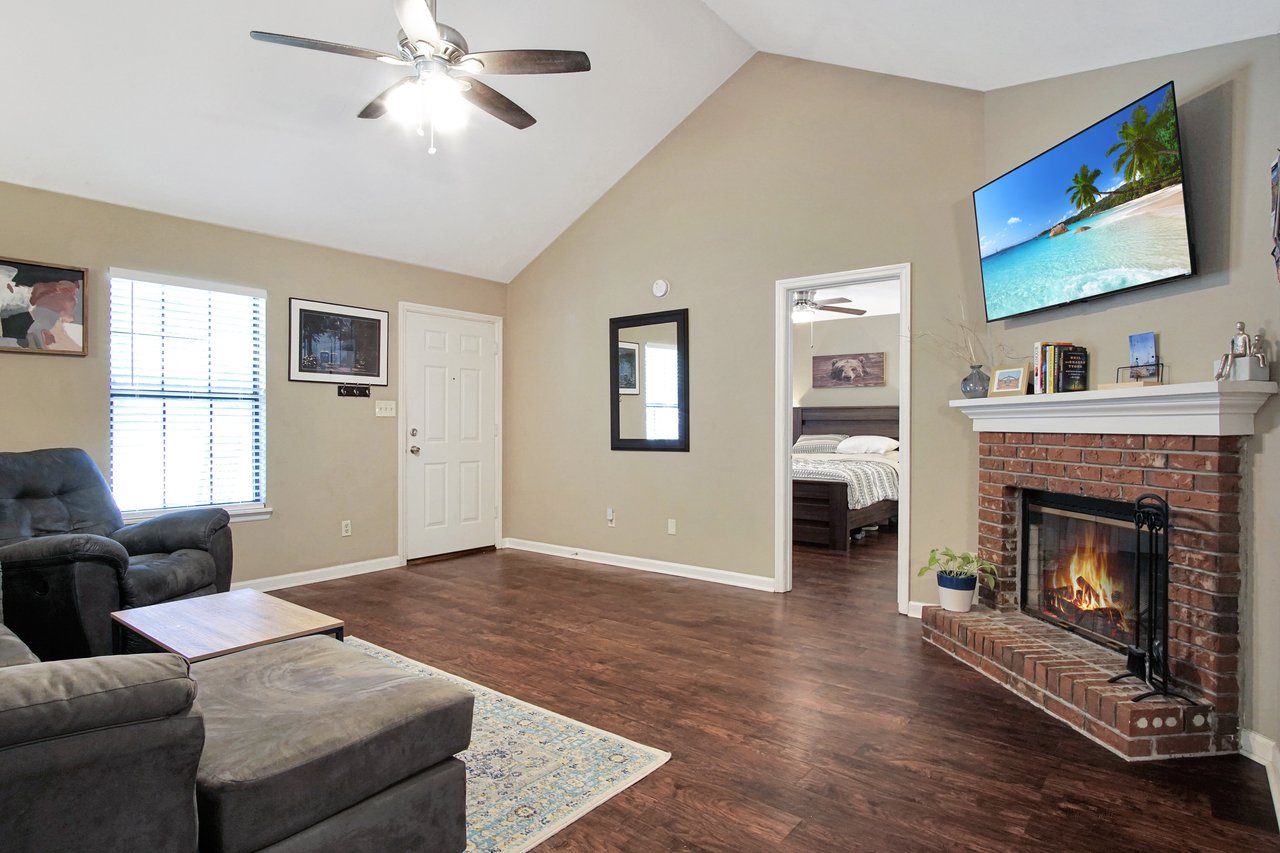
(443, 66)
(805, 304)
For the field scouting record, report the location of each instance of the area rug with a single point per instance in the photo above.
(531, 772)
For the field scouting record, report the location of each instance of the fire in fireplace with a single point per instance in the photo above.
(1078, 565)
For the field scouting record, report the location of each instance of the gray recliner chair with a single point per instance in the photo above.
(69, 560)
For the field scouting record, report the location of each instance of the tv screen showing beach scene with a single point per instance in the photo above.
(1100, 213)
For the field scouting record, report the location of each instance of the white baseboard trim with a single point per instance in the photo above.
(644, 564)
(1266, 752)
(914, 608)
(318, 575)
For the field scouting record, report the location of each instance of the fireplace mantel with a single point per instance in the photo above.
(1190, 408)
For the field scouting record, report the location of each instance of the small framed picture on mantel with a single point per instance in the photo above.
(1011, 380)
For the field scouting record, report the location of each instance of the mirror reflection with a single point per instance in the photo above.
(650, 381)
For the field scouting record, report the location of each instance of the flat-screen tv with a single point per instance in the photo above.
(1101, 213)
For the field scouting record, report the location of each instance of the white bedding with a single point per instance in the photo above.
(871, 477)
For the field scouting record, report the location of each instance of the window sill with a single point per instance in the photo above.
(237, 513)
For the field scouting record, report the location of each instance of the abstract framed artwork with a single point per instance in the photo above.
(338, 344)
(851, 370)
(42, 308)
(628, 368)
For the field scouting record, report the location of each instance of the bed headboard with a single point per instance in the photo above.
(849, 420)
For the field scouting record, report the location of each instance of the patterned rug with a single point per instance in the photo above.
(530, 772)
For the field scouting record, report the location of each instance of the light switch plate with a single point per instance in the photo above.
(385, 408)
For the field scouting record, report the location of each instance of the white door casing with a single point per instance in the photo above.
(783, 294)
(450, 431)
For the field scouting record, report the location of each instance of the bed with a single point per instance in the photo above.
(821, 513)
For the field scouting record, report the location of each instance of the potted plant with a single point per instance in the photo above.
(957, 576)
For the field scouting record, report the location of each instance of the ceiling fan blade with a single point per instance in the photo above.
(529, 61)
(857, 312)
(328, 47)
(417, 19)
(839, 300)
(377, 108)
(496, 104)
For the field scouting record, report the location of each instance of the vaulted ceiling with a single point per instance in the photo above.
(170, 107)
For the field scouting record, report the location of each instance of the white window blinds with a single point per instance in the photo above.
(661, 391)
(188, 401)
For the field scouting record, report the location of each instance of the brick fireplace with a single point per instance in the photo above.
(1066, 673)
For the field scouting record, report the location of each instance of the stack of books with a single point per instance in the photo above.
(1059, 366)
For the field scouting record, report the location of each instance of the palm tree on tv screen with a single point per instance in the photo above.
(1143, 141)
(1083, 189)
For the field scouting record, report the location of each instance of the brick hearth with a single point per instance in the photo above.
(1067, 676)
(1199, 477)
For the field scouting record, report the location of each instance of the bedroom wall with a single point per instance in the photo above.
(1230, 129)
(836, 337)
(328, 459)
(758, 184)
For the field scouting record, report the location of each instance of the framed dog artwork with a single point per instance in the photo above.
(851, 370)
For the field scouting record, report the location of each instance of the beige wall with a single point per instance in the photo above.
(1228, 99)
(328, 459)
(792, 168)
(836, 337)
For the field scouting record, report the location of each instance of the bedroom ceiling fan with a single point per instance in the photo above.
(804, 306)
(442, 70)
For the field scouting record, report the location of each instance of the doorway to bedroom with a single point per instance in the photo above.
(842, 430)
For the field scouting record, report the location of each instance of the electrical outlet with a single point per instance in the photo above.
(346, 527)
(608, 516)
(671, 527)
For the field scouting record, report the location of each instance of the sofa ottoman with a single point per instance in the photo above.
(312, 745)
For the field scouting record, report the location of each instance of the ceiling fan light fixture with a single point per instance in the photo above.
(434, 99)
(803, 312)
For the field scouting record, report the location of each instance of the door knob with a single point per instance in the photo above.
(415, 450)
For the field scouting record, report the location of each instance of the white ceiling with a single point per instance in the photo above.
(990, 44)
(169, 106)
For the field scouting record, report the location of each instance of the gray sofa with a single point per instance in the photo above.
(70, 560)
(307, 745)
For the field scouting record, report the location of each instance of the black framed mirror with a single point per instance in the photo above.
(649, 381)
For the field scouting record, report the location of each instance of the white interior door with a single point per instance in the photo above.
(451, 428)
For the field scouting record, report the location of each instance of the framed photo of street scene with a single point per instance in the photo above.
(42, 308)
(337, 344)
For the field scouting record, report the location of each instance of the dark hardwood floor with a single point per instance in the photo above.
(814, 721)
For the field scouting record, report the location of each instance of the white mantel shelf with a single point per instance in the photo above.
(1191, 408)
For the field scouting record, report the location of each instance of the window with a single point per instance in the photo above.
(188, 402)
(661, 391)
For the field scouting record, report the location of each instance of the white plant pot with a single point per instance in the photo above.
(956, 600)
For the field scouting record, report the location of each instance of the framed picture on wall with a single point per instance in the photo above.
(41, 308)
(628, 368)
(338, 344)
(851, 370)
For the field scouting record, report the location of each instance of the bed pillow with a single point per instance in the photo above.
(867, 444)
(818, 443)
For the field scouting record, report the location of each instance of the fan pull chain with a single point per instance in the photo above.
(421, 132)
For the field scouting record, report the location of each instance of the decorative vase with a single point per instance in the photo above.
(956, 593)
(976, 383)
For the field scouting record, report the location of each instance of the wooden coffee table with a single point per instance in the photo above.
(212, 625)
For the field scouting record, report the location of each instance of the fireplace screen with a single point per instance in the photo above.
(1078, 565)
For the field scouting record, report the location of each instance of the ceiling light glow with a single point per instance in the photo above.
(434, 99)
